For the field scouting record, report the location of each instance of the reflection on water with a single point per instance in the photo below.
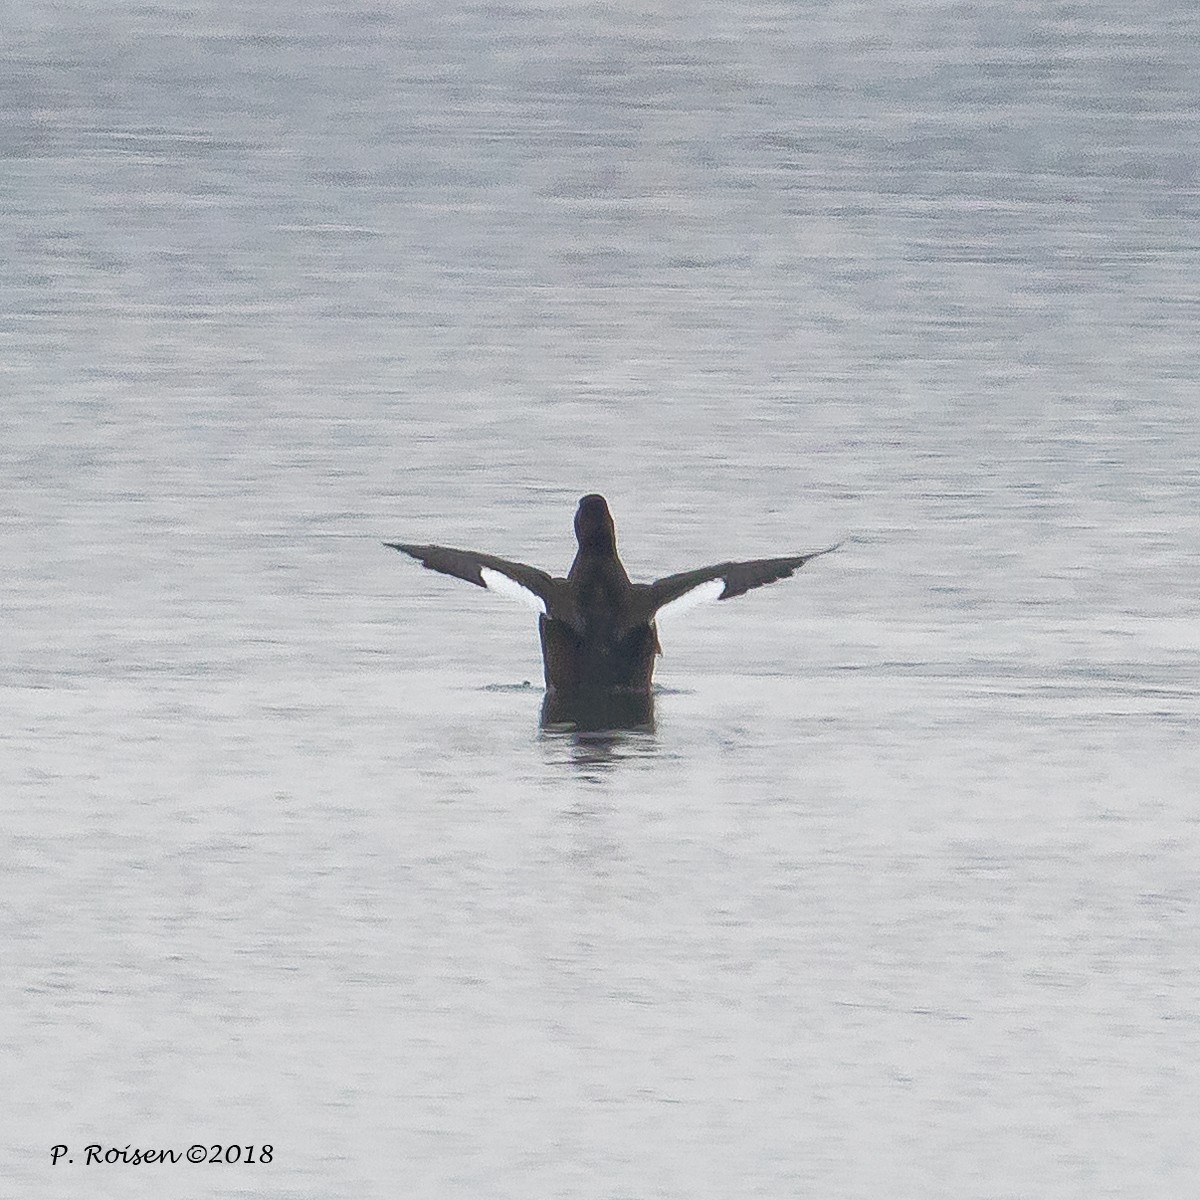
(598, 711)
(598, 755)
(599, 728)
(602, 749)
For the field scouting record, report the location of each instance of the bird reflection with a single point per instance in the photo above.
(599, 728)
(596, 711)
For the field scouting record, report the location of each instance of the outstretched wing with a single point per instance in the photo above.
(512, 579)
(722, 581)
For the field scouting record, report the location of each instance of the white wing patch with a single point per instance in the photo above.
(503, 586)
(702, 593)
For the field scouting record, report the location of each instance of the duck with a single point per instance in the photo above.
(598, 629)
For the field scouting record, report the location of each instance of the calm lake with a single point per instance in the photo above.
(899, 898)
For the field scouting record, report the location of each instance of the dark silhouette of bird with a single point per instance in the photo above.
(598, 628)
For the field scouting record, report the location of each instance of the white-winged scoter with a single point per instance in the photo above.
(598, 628)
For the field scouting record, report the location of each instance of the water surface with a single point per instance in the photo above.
(899, 897)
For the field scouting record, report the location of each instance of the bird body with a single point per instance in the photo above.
(598, 629)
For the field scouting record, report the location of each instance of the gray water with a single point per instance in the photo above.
(900, 898)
